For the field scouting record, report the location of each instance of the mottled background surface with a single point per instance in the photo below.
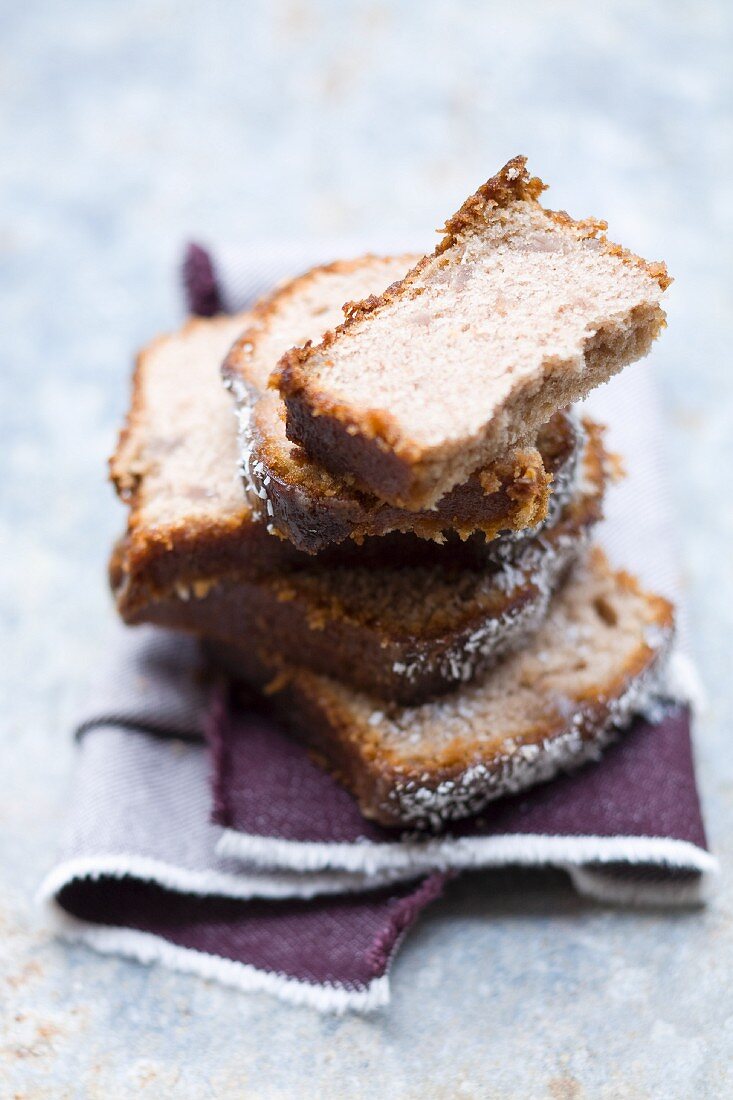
(125, 128)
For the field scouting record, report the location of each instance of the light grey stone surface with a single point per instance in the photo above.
(126, 128)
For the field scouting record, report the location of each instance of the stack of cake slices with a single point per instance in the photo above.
(372, 500)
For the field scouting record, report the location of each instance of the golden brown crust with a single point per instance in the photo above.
(147, 564)
(512, 183)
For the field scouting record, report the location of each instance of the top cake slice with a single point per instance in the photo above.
(300, 501)
(519, 311)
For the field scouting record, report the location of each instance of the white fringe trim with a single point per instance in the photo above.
(568, 853)
(147, 948)
(246, 885)
(601, 886)
(443, 853)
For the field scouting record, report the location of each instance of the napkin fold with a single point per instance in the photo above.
(139, 873)
(628, 830)
(203, 838)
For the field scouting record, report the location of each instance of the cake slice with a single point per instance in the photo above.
(176, 468)
(301, 501)
(399, 631)
(597, 660)
(518, 312)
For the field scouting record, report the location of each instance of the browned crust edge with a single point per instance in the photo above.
(312, 522)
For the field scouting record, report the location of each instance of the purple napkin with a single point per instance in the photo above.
(248, 864)
(630, 830)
